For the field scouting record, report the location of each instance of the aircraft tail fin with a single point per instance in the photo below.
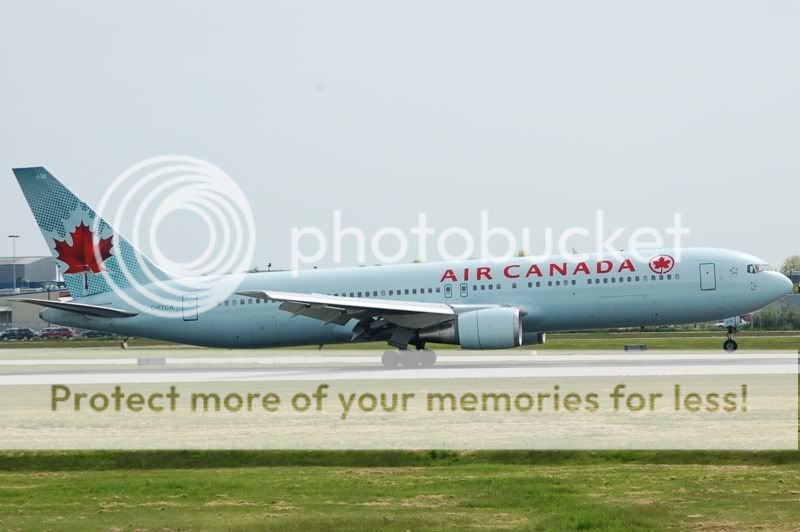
(91, 256)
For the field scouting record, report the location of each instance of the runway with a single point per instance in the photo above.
(21, 367)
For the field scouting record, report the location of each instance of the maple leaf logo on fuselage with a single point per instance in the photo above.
(82, 256)
(662, 263)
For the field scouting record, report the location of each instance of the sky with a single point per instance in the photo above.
(540, 113)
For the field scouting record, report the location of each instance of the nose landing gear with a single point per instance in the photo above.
(730, 344)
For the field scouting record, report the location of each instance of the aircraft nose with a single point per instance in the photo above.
(785, 285)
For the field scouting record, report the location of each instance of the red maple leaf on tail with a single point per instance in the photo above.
(82, 256)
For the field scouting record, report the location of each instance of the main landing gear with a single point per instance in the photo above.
(730, 344)
(124, 343)
(408, 359)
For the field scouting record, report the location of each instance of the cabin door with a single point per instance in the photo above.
(189, 308)
(708, 276)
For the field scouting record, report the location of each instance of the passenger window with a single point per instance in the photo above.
(538, 284)
(233, 302)
(249, 301)
(430, 290)
(227, 302)
(661, 277)
(530, 284)
(558, 283)
(613, 279)
(258, 301)
(573, 282)
(549, 283)
(652, 277)
(605, 280)
(391, 292)
(677, 276)
(414, 291)
(589, 281)
(491, 286)
(513, 285)
(438, 289)
(241, 301)
(352, 294)
(359, 294)
(629, 278)
(669, 277)
(474, 287)
(637, 278)
(406, 291)
(483, 287)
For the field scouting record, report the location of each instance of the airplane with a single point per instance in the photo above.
(473, 304)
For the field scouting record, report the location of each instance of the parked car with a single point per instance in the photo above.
(16, 333)
(95, 334)
(55, 332)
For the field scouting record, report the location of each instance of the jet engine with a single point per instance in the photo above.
(491, 328)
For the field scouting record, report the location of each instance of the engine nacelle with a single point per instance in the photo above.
(491, 328)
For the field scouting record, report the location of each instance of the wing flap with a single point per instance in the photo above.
(352, 302)
(339, 309)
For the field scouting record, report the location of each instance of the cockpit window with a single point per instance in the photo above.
(758, 268)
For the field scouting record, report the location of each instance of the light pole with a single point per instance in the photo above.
(14, 259)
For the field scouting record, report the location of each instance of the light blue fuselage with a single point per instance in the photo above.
(707, 284)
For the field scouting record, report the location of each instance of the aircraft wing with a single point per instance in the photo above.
(340, 309)
(80, 308)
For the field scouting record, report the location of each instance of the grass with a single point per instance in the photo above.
(399, 490)
(671, 342)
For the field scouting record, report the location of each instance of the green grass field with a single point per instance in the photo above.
(400, 490)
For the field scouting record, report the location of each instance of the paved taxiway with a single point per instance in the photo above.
(99, 366)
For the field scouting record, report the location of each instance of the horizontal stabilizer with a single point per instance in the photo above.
(80, 308)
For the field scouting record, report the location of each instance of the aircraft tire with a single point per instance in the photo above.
(730, 346)
(427, 358)
(409, 359)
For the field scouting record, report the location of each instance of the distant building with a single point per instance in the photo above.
(37, 277)
(31, 272)
(18, 314)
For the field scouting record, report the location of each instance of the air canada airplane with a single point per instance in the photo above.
(472, 304)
